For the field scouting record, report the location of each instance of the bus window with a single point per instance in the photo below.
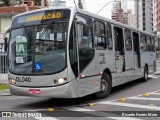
(109, 36)
(153, 43)
(149, 46)
(100, 37)
(143, 43)
(86, 48)
(128, 40)
(119, 43)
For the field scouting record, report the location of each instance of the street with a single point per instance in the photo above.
(66, 109)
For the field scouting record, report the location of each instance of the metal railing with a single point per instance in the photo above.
(3, 65)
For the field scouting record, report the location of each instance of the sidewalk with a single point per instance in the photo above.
(158, 67)
(5, 92)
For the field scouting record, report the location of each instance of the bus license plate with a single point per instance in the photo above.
(34, 91)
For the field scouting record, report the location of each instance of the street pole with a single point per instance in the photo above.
(137, 13)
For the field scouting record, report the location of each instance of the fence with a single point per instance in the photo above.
(3, 65)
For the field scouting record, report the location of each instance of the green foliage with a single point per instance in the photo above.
(3, 87)
(6, 2)
(38, 2)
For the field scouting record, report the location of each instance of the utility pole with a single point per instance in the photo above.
(80, 4)
(137, 5)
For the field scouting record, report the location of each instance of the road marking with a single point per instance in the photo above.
(45, 118)
(97, 113)
(143, 98)
(154, 93)
(37, 110)
(13, 97)
(129, 105)
(151, 76)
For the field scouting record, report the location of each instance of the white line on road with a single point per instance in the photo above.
(37, 110)
(130, 105)
(154, 93)
(45, 118)
(97, 113)
(143, 98)
(151, 76)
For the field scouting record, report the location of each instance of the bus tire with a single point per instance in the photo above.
(106, 85)
(145, 74)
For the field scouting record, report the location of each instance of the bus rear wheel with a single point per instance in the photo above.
(106, 86)
(145, 74)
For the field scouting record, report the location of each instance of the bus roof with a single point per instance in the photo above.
(78, 10)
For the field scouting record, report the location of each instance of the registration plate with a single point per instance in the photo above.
(34, 91)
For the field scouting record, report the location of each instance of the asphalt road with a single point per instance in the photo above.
(71, 109)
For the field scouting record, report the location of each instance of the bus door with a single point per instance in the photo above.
(119, 49)
(86, 53)
(137, 60)
(136, 50)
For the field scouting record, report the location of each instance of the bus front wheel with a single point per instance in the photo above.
(106, 86)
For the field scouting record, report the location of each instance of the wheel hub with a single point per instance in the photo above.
(104, 86)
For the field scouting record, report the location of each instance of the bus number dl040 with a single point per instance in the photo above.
(23, 79)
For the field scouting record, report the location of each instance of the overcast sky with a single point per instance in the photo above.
(95, 5)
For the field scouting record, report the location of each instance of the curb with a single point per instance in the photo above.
(157, 73)
(5, 92)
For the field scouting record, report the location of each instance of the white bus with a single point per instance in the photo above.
(67, 52)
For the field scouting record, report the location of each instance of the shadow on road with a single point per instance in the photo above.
(43, 103)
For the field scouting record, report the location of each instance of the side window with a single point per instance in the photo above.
(143, 43)
(100, 37)
(128, 40)
(153, 43)
(85, 42)
(109, 36)
(149, 46)
(85, 37)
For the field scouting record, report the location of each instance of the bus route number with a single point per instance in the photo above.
(23, 79)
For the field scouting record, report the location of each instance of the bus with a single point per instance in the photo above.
(67, 52)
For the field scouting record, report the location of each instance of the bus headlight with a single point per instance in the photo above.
(60, 81)
(12, 81)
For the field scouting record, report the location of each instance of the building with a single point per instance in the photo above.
(124, 5)
(57, 3)
(144, 14)
(6, 14)
(131, 19)
(117, 11)
(41, 3)
(155, 19)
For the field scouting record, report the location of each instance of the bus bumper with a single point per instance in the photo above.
(68, 90)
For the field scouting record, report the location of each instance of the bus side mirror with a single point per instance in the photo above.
(5, 44)
(85, 30)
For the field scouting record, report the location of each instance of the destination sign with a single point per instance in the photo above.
(48, 16)
(39, 17)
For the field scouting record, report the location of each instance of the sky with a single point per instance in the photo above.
(95, 5)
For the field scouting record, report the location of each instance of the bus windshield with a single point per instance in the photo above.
(38, 49)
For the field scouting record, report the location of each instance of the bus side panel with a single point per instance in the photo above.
(129, 60)
(105, 59)
(89, 81)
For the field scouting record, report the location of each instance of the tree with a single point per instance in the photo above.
(6, 2)
(38, 2)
